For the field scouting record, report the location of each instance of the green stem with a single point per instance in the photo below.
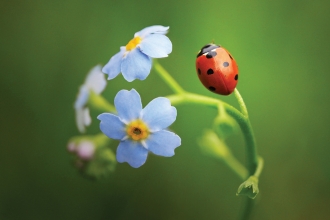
(251, 151)
(98, 102)
(236, 166)
(252, 154)
(192, 98)
(247, 208)
(101, 140)
(241, 103)
(212, 145)
(249, 203)
(259, 167)
(167, 78)
(242, 119)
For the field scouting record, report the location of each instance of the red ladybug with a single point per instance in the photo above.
(217, 69)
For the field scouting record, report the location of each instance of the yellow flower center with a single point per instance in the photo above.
(133, 43)
(137, 130)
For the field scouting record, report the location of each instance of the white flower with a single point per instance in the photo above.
(94, 82)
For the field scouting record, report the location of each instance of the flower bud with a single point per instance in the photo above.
(249, 188)
(85, 150)
(92, 156)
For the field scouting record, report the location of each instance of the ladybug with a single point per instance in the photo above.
(217, 69)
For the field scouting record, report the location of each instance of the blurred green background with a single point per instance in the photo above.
(282, 48)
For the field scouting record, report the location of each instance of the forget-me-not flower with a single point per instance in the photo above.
(134, 59)
(140, 130)
(94, 82)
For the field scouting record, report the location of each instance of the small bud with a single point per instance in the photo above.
(85, 150)
(249, 188)
(92, 156)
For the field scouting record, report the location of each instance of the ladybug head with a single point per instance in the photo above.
(207, 48)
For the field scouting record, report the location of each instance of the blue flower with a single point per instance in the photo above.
(134, 59)
(94, 82)
(140, 130)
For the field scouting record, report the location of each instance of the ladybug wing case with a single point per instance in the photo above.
(217, 70)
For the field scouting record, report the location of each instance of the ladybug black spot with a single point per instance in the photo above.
(207, 48)
(211, 88)
(230, 56)
(211, 54)
(225, 64)
(199, 71)
(236, 77)
(210, 71)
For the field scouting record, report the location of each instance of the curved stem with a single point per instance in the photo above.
(247, 130)
(242, 121)
(259, 167)
(192, 98)
(241, 117)
(241, 103)
(251, 151)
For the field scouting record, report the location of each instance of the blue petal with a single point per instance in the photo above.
(82, 97)
(112, 126)
(159, 114)
(156, 46)
(132, 152)
(156, 29)
(135, 65)
(113, 67)
(128, 105)
(163, 143)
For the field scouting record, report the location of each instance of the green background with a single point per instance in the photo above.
(282, 49)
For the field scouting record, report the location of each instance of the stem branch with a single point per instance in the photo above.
(255, 163)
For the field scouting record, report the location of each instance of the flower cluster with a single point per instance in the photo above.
(140, 130)
(84, 150)
(91, 156)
